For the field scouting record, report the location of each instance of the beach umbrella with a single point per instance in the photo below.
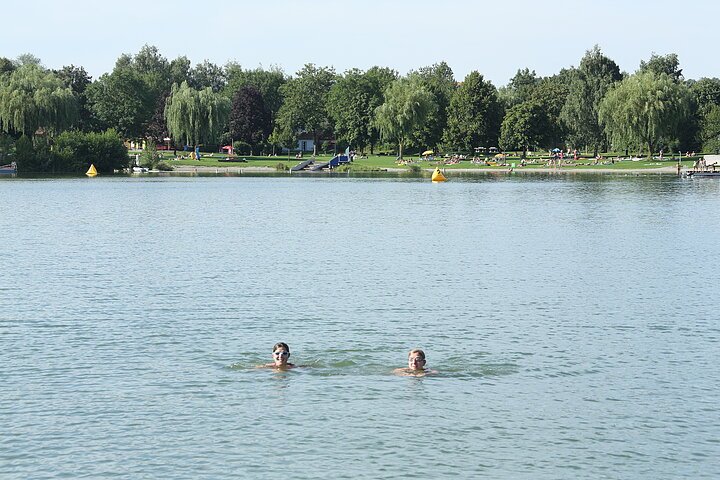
(428, 152)
(555, 150)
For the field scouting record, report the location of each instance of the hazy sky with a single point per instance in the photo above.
(495, 38)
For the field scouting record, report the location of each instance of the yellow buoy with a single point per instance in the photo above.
(438, 176)
(91, 171)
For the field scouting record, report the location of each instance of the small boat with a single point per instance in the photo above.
(438, 176)
(137, 169)
(91, 171)
(9, 169)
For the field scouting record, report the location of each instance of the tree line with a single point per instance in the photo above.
(592, 107)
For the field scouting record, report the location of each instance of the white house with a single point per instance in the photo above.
(306, 143)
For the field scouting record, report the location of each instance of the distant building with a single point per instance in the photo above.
(306, 143)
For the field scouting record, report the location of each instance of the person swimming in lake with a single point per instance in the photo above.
(280, 356)
(416, 364)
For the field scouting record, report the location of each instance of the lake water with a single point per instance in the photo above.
(573, 321)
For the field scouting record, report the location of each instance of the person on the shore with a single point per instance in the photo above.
(280, 356)
(416, 364)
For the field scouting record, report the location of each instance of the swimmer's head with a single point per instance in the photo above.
(416, 359)
(280, 354)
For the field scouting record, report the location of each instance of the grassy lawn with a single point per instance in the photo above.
(377, 162)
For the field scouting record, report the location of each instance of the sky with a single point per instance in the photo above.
(494, 38)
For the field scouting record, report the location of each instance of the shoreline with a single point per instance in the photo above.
(671, 170)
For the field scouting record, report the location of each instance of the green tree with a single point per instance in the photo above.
(179, 70)
(26, 158)
(78, 80)
(710, 130)
(644, 109)
(127, 98)
(6, 65)
(6, 144)
(407, 106)
(438, 79)
(704, 121)
(474, 115)
(520, 88)
(352, 102)
(150, 157)
(282, 137)
(195, 116)
(659, 64)
(379, 79)
(348, 107)
(33, 98)
(305, 105)
(550, 94)
(525, 126)
(207, 74)
(249, 119)
(156, 128)
(123, 101)
(267, 82)
(28, 59)
(589, 84)
(153, 68)
(706, 93)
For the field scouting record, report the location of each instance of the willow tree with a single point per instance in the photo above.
(644, 109)
(407, 105)
(33, 98)
(195, 116)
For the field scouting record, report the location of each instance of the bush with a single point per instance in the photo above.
(241, 148)
(6, 144)
(281, 167)
(25, 156)
(75, 151)
(150, 158)
(358, 168)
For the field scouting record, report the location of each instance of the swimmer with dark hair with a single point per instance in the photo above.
(416, 365)
(280, 356)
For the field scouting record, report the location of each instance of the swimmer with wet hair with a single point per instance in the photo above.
(416, 364)
(280, 356)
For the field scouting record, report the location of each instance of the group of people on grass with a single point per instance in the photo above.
(416, 361)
